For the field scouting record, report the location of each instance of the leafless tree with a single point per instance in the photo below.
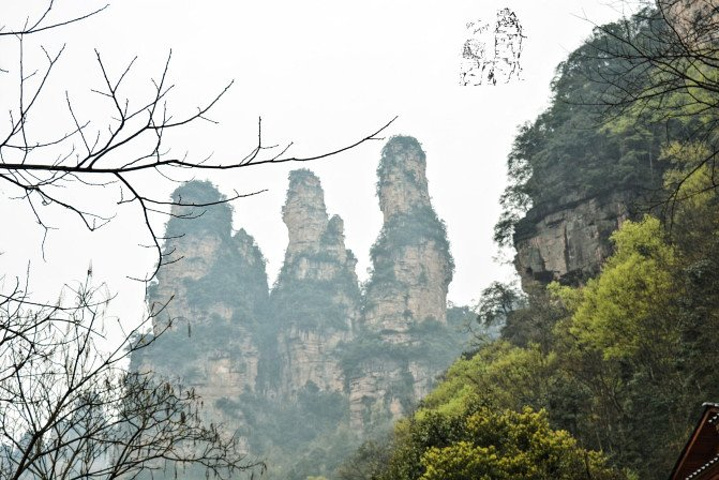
(48, 169)
(70, 409)
(69, 406)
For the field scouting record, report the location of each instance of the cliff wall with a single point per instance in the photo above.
(569, 241)
(216, 289)
(294, 368)
(406, 294)
(315, 302)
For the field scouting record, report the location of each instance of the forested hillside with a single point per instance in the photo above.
(600, 370)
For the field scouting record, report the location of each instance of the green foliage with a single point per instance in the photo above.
(179, 349)
(623, 343)
(367, 462)
(314, 304)
(489, 443)
(231, 281)
(620, 364)
(499, 373)
(393, 157)
(202, 210)
(509, 445)
(433, 343)
(570, 153)
(534, 323)
(291, 425)
(623, 361)
(310, 305)
(407, 229)
(497, 303)
(695, 230)
(621, 311)
(308, 436)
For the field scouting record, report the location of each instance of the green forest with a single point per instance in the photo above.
(601, 377)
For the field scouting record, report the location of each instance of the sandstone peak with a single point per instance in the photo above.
(412, 266)
(315, 301)
(249, 251)
(197, 211)
(304, 213)
(307, 349)
(211, 262)
(401, 177)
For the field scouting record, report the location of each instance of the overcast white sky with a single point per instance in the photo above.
(321, 74)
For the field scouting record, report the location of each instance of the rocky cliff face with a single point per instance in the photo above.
(316, 299)
(412, 266)
(217, 289)
(312, 361)
(407, 290)
(570, 241)
(695, 22)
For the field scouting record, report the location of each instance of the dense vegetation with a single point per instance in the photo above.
(602, 379)
(622, 363)
(581, 147)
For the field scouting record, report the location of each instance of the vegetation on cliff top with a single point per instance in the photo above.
(578, 148)
(623, 362)
(186, 219)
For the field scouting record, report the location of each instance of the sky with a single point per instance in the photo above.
(321, 74)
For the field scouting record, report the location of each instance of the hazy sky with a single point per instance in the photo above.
(321, 74)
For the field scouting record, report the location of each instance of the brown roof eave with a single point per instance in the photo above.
(700, 424)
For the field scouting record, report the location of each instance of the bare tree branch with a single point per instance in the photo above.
(38, 25)
(123, 148)
(665, 71)
(69, 408)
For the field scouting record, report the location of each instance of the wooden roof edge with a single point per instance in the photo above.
(692, 438)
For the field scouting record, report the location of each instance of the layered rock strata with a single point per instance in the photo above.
(315, 301)
(313, 345)
(407, 293)
(208, 303)
(569, 242)
(412, 266)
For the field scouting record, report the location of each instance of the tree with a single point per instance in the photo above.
(507, 445)
(485, 442)
(106, 156)
(70, 409)
(624, 343)
(624, 310)
(635, 108)
(569, 153)
(497, 303)
(667, 58)
(366, 463)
